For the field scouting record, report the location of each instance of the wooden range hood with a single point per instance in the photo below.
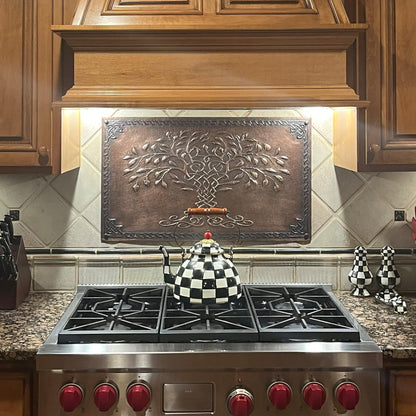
(213, 53)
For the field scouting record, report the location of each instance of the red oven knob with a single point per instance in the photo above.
(138, 396)
(240, 402)
(279, 395)
(314, 395)
(348, 395)
(70, 397)
(105, 396)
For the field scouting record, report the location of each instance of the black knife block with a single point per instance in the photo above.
(14, 291)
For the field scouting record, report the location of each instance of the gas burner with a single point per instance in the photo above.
(299, 313)
(231, 322)
(152, 314)
(129, 314)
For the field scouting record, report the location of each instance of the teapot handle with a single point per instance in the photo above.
(207, 211)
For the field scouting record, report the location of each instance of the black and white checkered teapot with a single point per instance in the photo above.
(206, 277)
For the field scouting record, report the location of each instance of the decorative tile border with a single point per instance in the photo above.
(53, 272)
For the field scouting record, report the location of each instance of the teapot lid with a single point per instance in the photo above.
(206, 246)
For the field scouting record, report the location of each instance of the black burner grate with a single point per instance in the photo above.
(115, 314)
(231, 322)
(299, 313)
(265, 313)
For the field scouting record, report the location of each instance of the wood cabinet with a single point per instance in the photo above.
(402, 398)
(30, 79)
(17, 389)
(398, 390)
(386, 129)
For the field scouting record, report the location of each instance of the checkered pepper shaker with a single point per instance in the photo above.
(388, 278)
(360, 276)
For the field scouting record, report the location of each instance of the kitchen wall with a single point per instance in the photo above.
(348, 209)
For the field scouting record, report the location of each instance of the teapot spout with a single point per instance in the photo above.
(167, 273)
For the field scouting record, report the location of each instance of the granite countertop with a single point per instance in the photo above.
(395, 334)
(23, 331)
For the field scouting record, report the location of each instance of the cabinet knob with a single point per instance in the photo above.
(43, 153)
(374, 148)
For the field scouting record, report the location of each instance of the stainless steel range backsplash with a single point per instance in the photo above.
(348, 209)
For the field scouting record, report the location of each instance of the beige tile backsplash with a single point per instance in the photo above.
(348, 209)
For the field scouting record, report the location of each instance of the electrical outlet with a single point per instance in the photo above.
(15, 214)
(399, 215)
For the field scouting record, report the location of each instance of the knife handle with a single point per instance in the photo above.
(207, 211)
(6, 247)
(4, 230)
(9, 221)
(4, 273)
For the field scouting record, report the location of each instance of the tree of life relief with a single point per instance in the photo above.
(259, 169)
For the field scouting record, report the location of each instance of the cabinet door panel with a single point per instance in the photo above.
(12, 397)
(30, 79)
(402, 393)
(398, 74)
(389, 140)
(405, 67)
(15, 68)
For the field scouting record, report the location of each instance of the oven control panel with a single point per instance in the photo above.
(242, 393)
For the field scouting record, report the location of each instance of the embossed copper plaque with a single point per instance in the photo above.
(155, 168)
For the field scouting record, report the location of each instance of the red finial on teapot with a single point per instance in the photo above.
(208, 235)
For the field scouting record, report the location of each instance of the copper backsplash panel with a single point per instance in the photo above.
(155, 168)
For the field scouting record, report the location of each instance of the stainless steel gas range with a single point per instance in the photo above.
(278, 350)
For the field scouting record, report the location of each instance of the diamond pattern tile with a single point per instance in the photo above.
(367, 214)
(322, 120)
(79, 187)
(333, 235)
(3, 209)
(397, 235)
(91, 121)
(410, 213)
(334, 185)
(320, 150)
(17, 189)
(93, 213)
(92, 151)
(30, 239)
(320, 213)
(395, 187)
(79, 234)
(48, 216)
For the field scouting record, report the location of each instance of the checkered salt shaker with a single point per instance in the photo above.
(360, 276)
(388, 278)
(387, 275)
